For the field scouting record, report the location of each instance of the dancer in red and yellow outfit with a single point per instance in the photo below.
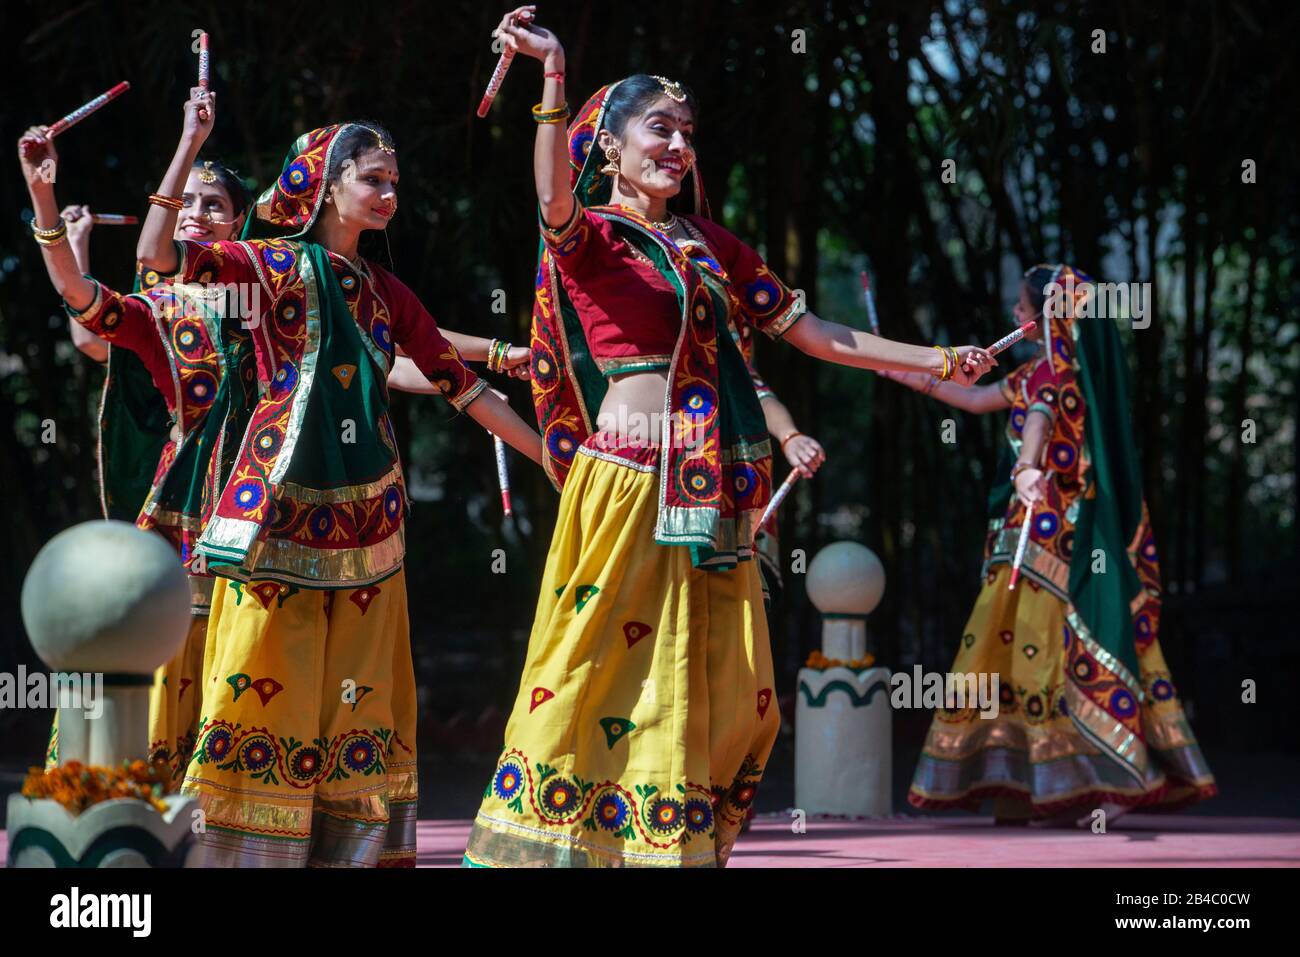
(646, 709)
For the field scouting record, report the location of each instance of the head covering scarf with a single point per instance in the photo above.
(713, 488)
(1119, 610)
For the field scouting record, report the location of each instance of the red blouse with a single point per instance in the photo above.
(601, 271)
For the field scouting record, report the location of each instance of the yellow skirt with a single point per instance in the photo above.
(1052, 748)
(646, 712)
(174, 702)
(306, 745)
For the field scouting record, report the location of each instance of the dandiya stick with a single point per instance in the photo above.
(204, 62)
(1020, 548)
(871, 303)
(777, 499)
(499, 74)
(81, 112)
(113, 219)
(503, 477)
(1011, 338)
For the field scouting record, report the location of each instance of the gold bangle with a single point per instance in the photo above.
(52, 242)
(52, 233)
(792, 435)
(943, 375)
(167, 202)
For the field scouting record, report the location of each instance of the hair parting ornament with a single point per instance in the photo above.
(207, 175)
(672, 89)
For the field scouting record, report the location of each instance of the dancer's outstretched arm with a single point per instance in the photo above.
(846, 346)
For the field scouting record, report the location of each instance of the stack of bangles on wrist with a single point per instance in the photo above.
(557, 115)
(52, 236)
(1020, 467)
(167, 202)
(950, 362)
(498, 349)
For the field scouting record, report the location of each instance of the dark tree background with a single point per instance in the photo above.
(825, 127)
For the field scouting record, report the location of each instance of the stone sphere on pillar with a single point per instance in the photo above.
(846, 578)
(107, 597)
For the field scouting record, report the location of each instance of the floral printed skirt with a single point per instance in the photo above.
(1074, 728)
(305, 753)
(645, 713)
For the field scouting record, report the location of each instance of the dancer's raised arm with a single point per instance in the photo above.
(155, 249)
(551, 151)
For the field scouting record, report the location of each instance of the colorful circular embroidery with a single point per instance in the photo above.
(560, 796)
(249, 495)
(665, 815)
(359, 754)
(699, 815)
(1162, 690)
(201, 388)
(699, 482)
(296, 178)
(256, 754)
(560, 442)
(305, 764)
(1062, 454)
(508, 780)
(393, 502)
(699, 400)
(284, 380)
(762, 297)
(611, 811)
(321, 521)
(217, 744)
(744, 480)
(1122, 703)
(266, 443)
(187, 338)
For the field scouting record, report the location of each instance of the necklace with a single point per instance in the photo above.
(667, 225)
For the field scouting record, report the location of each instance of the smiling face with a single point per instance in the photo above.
(1025, 312)
(365, 194)
(207, 214)
(656, 149)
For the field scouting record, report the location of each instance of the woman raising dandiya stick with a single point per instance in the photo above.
(1088, 715)
(305, 752)
(167, 404)
(645, 713)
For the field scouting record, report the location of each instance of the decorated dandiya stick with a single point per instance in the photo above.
(1011, 338)
(1020, 548)
(871, 303)
(81, 112)
(499, 74)
(204, 63)
(113, 219)
(503, 477)
(777, 499)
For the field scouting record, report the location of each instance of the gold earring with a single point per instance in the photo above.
(611, 168)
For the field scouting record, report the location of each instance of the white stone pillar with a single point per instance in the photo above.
(843, 721)
(104, 604)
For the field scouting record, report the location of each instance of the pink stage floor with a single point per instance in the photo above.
(1138, 840)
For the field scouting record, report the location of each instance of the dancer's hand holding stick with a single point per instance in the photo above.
(521, 16)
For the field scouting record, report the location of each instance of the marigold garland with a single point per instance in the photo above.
(820, 662)
(77, 786)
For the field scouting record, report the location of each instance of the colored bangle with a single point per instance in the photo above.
(788, 438)
(167, 202)
(557, 75)
(930, 386)
(956, 360)
(1018, 468)
(557, 115)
